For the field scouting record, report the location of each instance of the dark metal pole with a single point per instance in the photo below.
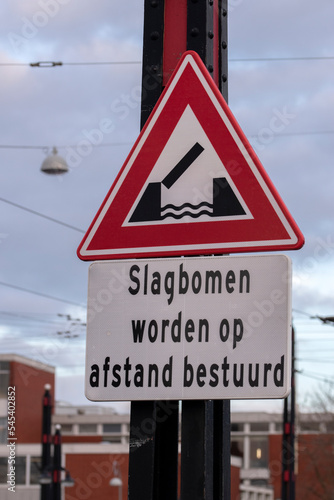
(56, 471)
(166, 450)
(193, 480)
(288, 441)
(205, 425)
(222, 409)
(152, 70)
(223, 48)
(197, 435)
(141, 452)
(285, 447)
(209, 458)
(292, 423)
(222, 450)
(153, 455)
(46, 440)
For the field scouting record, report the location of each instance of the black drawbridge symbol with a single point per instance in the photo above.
(224, 203)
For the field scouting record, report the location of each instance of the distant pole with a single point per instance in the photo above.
(292, 422)
(56, 471)
(285, 444)
(288, 441)
(46, 440)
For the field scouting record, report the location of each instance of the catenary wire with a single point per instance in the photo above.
(39, 214)
(51, 64)
(45, 148)
(111, 144)
(52, 297)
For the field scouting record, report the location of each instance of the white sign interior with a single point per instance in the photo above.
(189, 328)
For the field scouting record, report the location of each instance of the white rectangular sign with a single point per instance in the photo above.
(189, 328)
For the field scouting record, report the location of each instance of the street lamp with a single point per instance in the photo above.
(68, 481)
(116, 480)
(50, 479)
(46, 478)
(54, 164)
(57, 468)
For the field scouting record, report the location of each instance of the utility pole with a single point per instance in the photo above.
(56, 471)
(46, 440)
(170, 28)
(288, 443)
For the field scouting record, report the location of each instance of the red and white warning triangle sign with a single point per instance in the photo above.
(191, 184)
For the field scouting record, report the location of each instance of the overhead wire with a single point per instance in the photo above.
(52, 219)
(51, 64)
(311, 351)
(11, 318)
(24, 289)
(313, 360)
(39, 214)
(301, 312)
(46, 148)
(41, 294)
(316, 376)
(112, 144)
(274, 59)
(23, 317)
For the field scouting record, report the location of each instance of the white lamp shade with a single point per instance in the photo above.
(115, 481)
(54, 164)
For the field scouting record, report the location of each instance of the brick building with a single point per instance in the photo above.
(95, 443)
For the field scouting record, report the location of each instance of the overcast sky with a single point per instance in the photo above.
(281, 65)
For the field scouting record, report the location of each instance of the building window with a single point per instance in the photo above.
(279, 426)
(112, 439)
(4, 378)
(112, 433)
(87, 428)
(237, 448)
(237, 427)
(262, 483)
(258, 453)
(3, 469)
(259, 427)
(3, 430)
(35, 470)
(329, 427)
(66, 428)
(309, 426)
(20, 470)
(112, 428)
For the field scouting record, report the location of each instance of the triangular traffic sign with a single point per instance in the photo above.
(191, 185)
